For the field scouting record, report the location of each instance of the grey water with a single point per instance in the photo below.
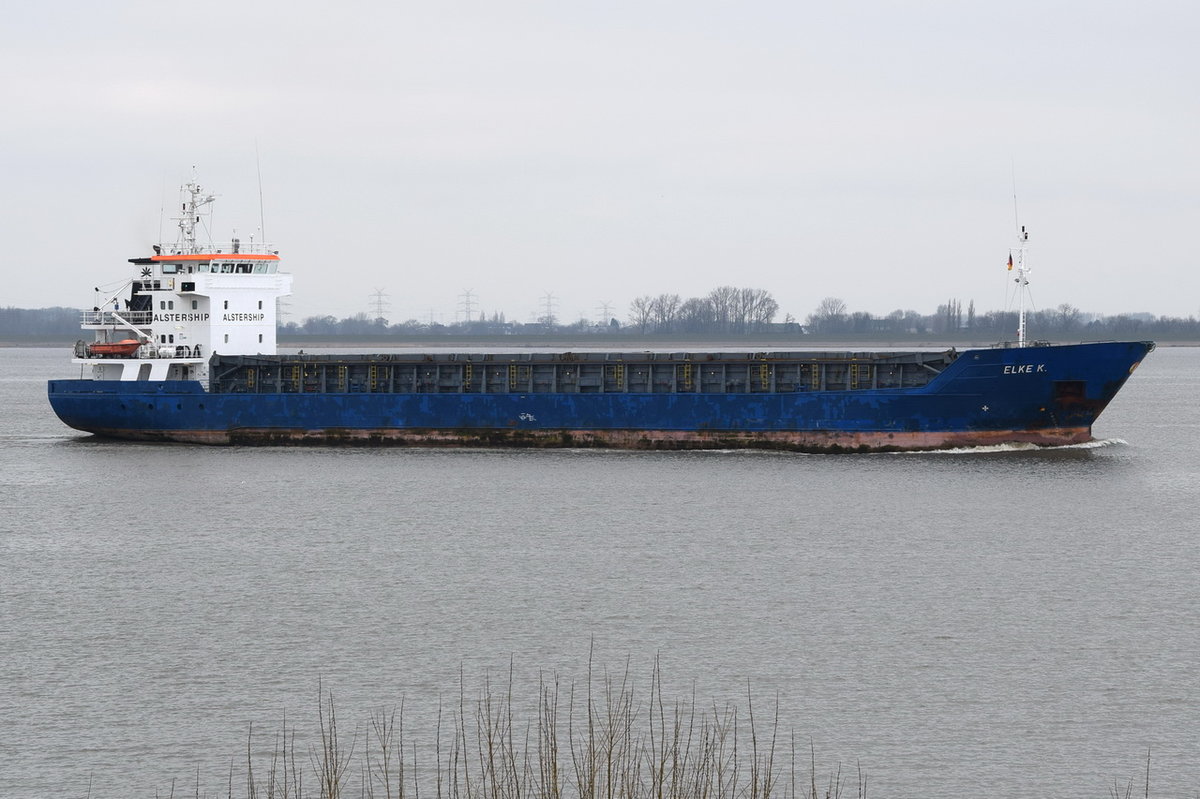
(1006, 621)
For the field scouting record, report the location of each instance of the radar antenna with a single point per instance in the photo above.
(192, 207)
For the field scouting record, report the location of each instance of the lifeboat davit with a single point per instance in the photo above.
(115, 349)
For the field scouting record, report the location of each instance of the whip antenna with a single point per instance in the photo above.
(262, 221)
(1016, 213)
(162, 210)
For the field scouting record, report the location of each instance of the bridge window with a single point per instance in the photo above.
(243, 269)
(260, 269)
(170, 269)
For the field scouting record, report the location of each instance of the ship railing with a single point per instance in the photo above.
(171, 351)
(234, 247)
(148, 351)
(1008, 345)
(109, 318)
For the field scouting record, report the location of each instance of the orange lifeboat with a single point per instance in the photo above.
(116, 349)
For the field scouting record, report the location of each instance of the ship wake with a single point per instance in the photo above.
(991, 449)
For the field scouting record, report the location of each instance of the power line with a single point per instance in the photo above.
(548, 317)
(466, 301)
(380, 305)
(283, 308)
(605, 312)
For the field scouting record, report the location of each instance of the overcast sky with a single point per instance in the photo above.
(599, 151)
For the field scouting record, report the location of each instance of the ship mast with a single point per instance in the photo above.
(1021, 279)
(195, 200)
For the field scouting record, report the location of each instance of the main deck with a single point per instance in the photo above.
(576, 373)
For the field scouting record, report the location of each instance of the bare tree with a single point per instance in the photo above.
(829, 316)
(1068, 317)
(696, 315)
(641, 312)
(664, 310)
(758, 308)
(724, 302)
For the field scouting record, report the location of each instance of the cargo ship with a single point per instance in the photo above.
(186, 351)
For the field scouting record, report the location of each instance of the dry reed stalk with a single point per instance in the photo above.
(331, 760)
(609, 742)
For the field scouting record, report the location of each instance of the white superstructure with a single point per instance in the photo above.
(186, 302)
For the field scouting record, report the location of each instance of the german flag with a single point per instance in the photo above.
(1010, 262)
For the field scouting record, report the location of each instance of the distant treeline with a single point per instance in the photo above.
(732, 312)
(40, 324)
(723, 312)
(832, 317)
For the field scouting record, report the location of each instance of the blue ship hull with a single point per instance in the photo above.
(1047, 395)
